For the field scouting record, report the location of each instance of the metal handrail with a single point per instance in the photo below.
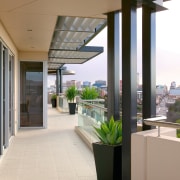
(159, 121)
(93, 105)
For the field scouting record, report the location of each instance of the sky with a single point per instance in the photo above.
(167, 50)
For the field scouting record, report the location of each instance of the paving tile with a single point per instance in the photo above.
(55, 153)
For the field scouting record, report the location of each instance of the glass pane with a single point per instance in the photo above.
(10, 96)
(4, 97)
(31, 100)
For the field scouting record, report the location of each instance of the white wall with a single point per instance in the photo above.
(155, 158)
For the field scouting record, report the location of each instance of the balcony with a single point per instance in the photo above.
(58, 152)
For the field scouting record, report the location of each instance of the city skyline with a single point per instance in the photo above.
(167, 50)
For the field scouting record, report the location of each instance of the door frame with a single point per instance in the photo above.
(5, 53)
(44, 93)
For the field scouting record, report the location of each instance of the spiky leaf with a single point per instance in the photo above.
(101, 135)
(110, 132)
(105, 128)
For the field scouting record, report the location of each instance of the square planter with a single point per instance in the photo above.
(72, 108)
(53, 102)
(108, 160)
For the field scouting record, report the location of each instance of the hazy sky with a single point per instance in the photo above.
(167, 50)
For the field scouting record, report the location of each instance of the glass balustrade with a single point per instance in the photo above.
(91, 113)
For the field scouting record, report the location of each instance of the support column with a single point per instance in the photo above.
(129, 82)
(57, 82)
(113, 65)
(60, 80)
(148, 63)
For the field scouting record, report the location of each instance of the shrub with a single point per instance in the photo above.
(54, 96)
(89, 93)
(71, 93)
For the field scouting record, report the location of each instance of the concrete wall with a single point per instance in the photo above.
(155, 158)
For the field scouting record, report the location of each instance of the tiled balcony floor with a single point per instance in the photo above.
(55, 153)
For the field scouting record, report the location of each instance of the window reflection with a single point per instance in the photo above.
(31, 106)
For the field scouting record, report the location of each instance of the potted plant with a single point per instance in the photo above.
(71, 93)
(53, 100)
(89, 93)
(107, 152)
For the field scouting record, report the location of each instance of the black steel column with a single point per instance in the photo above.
(60, 80)
(57, 82)
(129, 82)
(149, 63)
(113, 65)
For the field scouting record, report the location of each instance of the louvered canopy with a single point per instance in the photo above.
(70, 36)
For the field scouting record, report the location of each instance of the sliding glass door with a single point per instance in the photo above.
(11, 94)
(31, 94)
(6, 96)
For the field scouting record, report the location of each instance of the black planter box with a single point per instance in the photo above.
(53, 102)
(108, 160)
(72, 108)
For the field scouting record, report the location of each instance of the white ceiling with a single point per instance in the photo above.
(31, 23)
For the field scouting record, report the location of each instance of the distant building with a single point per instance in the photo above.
(102, 91)
(78, 84)
(72, 83)
(99, 83)
(173, 85)
(174, 93)
(161, 90)
(86, 84)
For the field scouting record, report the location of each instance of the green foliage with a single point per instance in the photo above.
(89, 93)
(71, 93)
(178, 130)
(178, 121)
(175, 107)
(139, 108)
(110, 132)
(54, 96)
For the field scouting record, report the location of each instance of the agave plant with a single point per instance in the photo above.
(110, 132)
